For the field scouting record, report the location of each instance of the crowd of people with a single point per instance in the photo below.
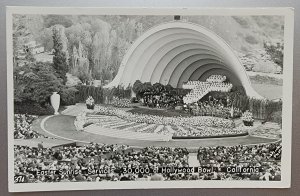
(111, 159)
(161, 101)
(172, 131)
(194, 91)
(266, 157)
(81, 163)
(212, 118)
(208, 131)
(216, 78)
(23, 127)
(215, 108)
(207, 121)
(200, 89)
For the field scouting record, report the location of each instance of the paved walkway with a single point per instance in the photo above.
(193, 161)
(74, 110)
(46, 142)
(62, 127)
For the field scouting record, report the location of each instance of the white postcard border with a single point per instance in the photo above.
(287, 98)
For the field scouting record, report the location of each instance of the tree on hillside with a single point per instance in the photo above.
(82, 71)
(45, 38)
(101, 49)
(25, 28)
(20, 35)
(35, 83)
(29, 57)
(61, 55)
(147, 87)
(79, 32)
(276, 52)
(137, 86)
(51, 20)
(80, 64)
(95, 40)
(128, 30)
(107, 74)
(158, 87)
(73, 34)
(139, 29)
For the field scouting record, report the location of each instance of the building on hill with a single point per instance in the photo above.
(33, 47)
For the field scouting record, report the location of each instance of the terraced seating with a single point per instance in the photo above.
(116, 127)
(126, 134)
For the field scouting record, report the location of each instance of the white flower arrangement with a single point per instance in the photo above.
(247, 116)
(120, 103)
(90, 101)
(153, 119)
(80, 121)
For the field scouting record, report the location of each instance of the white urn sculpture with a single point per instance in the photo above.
(55, 101)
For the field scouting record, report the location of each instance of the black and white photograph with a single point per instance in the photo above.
(135, 98)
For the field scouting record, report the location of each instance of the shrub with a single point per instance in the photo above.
(35, 83)
(247, 116)
(276, 52)
(33, 109)
(68, 96)
(277, 117)
(85, 91)
(100, 95)
(137, 86)
(134, 100)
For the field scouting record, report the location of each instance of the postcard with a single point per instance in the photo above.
(143, 98)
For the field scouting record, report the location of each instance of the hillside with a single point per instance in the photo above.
(104, 40)
(244, 33)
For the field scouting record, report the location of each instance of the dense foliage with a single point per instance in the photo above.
(104, 40)
(276, 52)
(85, 91)
(35, 83)
(260, 108)
(33, 86)
(92, 47)
(68, 95)
(247, 116)
(100, 94)
(142, 89)
(61, 55)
